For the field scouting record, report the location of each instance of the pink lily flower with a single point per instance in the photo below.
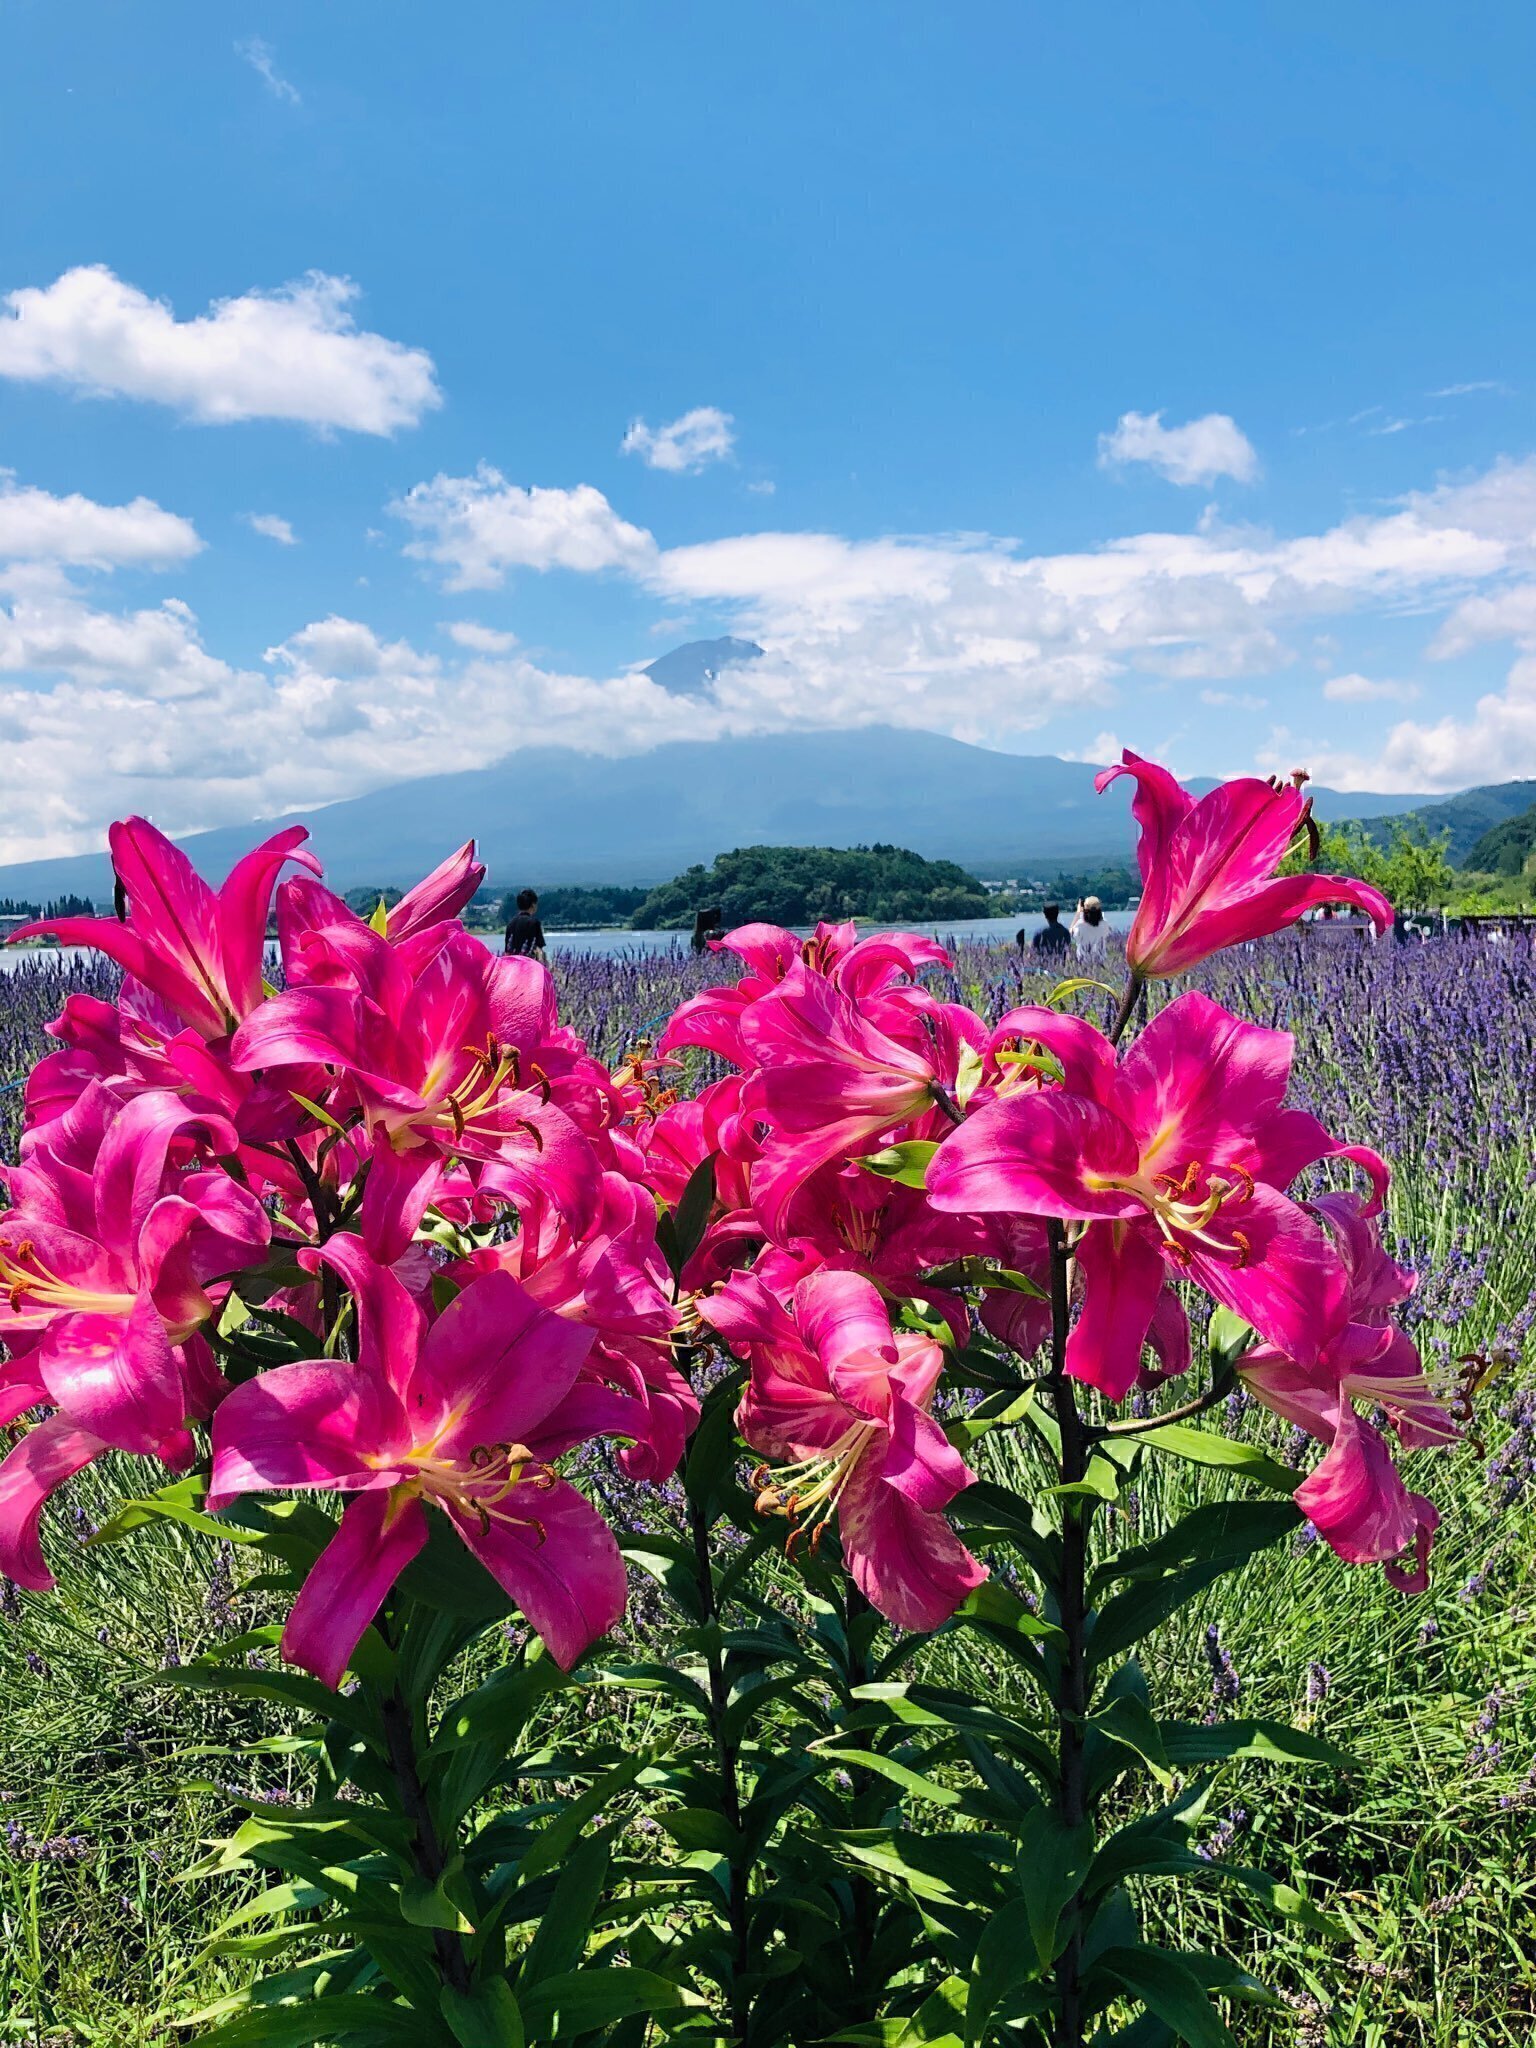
(108, 1259)
(1355, 1497)
(55, 1449)
(674, 1144)
(439, 896)
(464, 1415)
(839, 1403)
(829, 1084)
(431, 1063)
(864, 968)
(852, 1220)
(109, 1262)
(611, 1280)
(324, 940)
(1208, 868)
(1172, 1163)
(199, 951)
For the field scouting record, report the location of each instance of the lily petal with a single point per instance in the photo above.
(376, 1539)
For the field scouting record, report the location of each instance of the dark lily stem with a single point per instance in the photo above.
(1072, 1616)
(1184, 1413)
(1133, 988)
(431, 1859)
(855, 1621)
(737, 1903)
(321, 1202)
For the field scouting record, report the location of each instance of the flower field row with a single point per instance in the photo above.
(855, 1482)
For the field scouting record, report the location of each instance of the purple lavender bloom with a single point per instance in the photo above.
(1223, 1835)
(1225, 1683)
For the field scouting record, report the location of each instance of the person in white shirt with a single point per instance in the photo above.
(1090, 934)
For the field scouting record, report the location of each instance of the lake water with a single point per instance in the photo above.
(997, 931)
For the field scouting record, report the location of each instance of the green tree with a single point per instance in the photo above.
(805, 884)
(1412, 869)
(366, 901)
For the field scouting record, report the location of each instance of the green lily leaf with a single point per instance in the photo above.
(1207, 1447)
(906, 1164)
(485, 2017)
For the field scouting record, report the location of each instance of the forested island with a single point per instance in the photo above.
(804, 884)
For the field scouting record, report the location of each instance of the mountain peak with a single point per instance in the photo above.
(693, 669)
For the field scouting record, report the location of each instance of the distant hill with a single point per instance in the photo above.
(1506, 849)
(1467, 817)
(550, 815)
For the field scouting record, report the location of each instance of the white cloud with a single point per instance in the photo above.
(1495, 742)
(192, 741)
(155, 652)
(480, 639)
(966, 634)
(1196, 453)
(271, 527)
(476, 528)
(697, 438)
(293, 354)
(763, 488)
(1231, 700)
(1465, 390)
(1099, 752)
(259, 56)
(1358, 689)
(1509, 614)
(962, 634)
(37, 527)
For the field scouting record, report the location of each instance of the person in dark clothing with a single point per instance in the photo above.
(1052, 939)
(525, 935)
(706, 926)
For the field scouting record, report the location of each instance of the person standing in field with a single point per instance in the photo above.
(1053, 939)
(525, 934)
(1090, 934)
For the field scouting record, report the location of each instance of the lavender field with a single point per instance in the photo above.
(109, 1783)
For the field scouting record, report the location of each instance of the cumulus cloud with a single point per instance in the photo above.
(969, 635)
(292, 354)
(260, 57)
(271, 527)
(334, 709)
(476, 528)
(1358, 689)
(155, 655)
(688, 443)
(1197, 453)
(480, 639)
(37, 527)
(1495, 742)
(1508, 614)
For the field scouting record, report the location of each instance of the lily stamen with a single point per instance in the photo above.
(807, 1493)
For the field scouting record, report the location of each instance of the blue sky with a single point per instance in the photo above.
(1057, 378)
